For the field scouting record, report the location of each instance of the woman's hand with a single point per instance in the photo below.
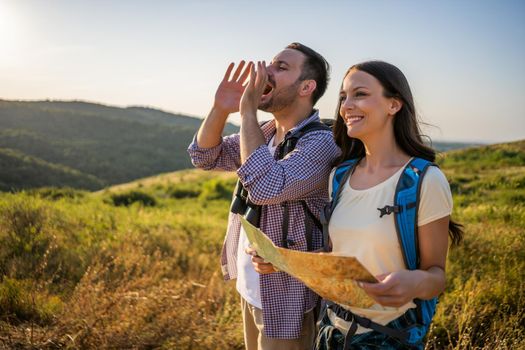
(398, 288)
(259, 264)
(251, 98)
(395, 289)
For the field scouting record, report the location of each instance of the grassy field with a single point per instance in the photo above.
(137, 266)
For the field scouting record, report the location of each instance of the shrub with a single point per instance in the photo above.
(56, 193)
(217, 189)
(20, 300)
(39, 242)
(23, 241)
(180, 191)
(128, 198)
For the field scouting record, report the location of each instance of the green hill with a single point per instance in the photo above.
(104, 144)
(443, 146)
(21, 171)
(93, 146)
(137, 265)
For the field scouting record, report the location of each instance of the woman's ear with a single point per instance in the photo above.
(395, 106)
(307, 87)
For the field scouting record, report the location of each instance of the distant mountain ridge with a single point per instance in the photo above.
(88, 145)
(91, 146)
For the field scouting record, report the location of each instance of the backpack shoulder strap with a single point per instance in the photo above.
(290, 141)
(341, 174)
(289, 145)
(406, 203)
(406, 198)
(316, 125)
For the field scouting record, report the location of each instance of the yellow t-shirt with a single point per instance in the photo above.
(357, 230)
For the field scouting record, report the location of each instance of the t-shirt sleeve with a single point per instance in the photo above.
(436, 198)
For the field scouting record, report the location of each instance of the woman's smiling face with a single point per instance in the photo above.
(364, 108)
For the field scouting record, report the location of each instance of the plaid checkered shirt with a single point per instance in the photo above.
(301, 175)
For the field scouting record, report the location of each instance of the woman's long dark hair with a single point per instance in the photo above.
(407, 132)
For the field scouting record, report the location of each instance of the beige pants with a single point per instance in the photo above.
(254, 338)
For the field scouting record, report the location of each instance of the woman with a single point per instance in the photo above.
(377, 126)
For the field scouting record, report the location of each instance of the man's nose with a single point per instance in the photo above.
(270, 76)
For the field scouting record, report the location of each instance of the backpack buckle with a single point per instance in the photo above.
(389, 209)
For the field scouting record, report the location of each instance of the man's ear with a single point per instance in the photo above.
(395, 106)
(307, 87)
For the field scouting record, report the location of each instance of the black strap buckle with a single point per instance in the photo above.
(348, 316)
(389, 209)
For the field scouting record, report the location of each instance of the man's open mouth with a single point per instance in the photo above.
(268, 89)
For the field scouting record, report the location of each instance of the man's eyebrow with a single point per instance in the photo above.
(281, 62)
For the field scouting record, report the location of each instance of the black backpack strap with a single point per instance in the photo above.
(325, 218)
(290, 141)
(288, 146)
(241, 204)
(356, 320)
(308, 229)
(309, 219)
(284, 225)
(315, 220)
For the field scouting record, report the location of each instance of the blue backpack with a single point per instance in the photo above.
(406, 203)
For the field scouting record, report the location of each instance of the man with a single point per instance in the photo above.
(277, 309)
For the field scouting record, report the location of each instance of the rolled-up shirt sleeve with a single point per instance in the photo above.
(305, 169)
(224, 156)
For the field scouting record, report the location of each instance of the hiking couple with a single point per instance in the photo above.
(291, 166)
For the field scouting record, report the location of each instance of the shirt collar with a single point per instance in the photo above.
(268, 128)
(313, 117)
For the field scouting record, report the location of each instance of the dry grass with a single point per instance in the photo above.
(80, 273)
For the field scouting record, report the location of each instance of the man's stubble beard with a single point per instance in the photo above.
(282, 99)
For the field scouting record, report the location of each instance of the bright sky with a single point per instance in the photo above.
(465, 60)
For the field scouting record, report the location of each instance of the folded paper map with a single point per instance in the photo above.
(332, 277)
